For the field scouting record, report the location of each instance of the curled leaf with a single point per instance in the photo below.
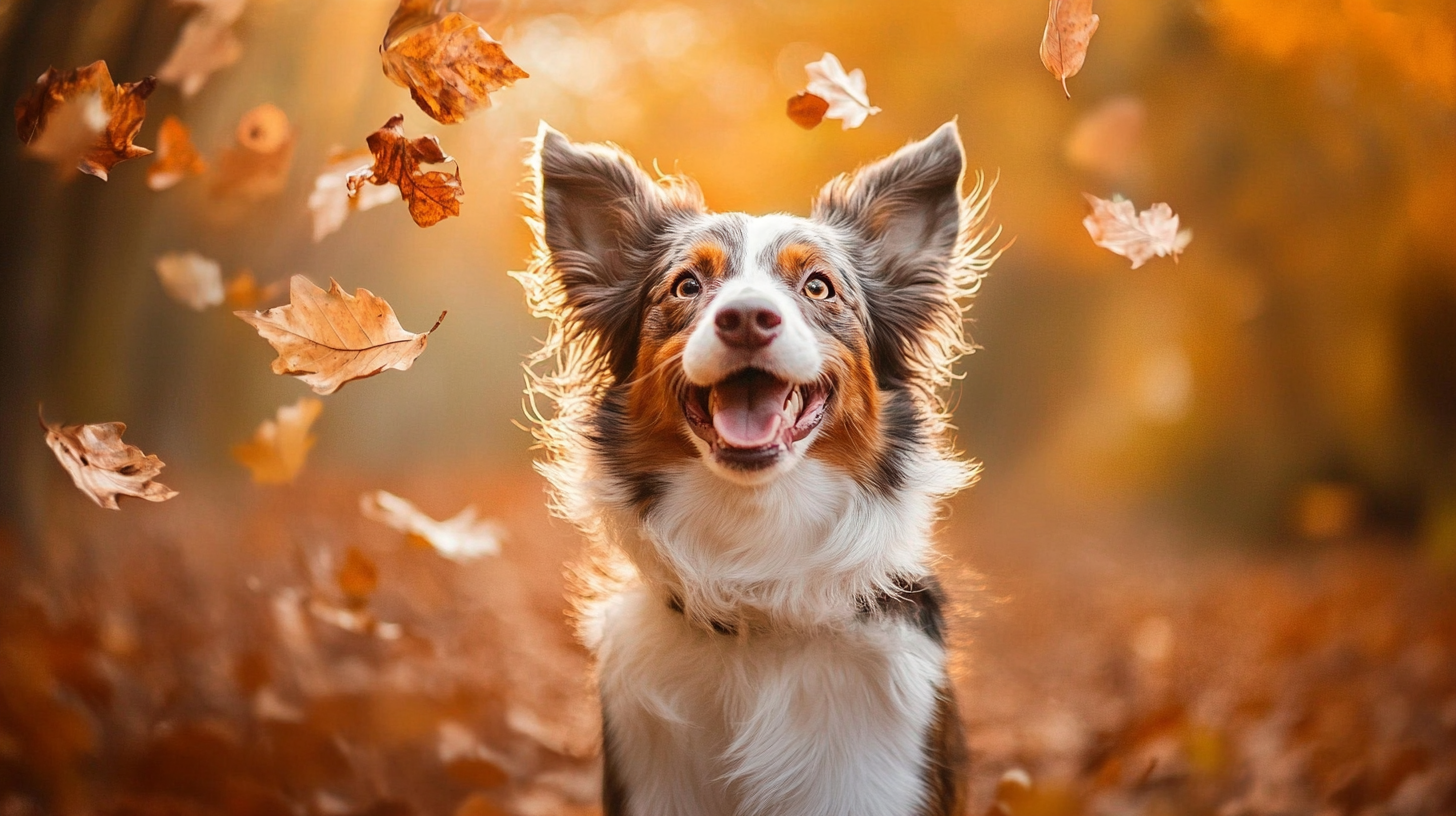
(176, 158)
(1070, 26)
(1138, 236)
(460, 538)
(103, 467)
(432, 195)
(191, 279)
(81, 118)
(845, 92)
(330, 338)
(330, 201)
(807, 110)
(449, 64)
(279, 447)
(257, 166)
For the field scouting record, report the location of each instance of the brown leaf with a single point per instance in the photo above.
(330, 338)
(176, 156)
(357, 577)
(1070, 26)
(1116, 225)
(103, 467)
(280, 446)
(461, 538)
(807, 110)
(330, 200)
(257, 166)
(433, 195)
(81, 117)
(450, 65)
(206, 44)
(191, 279)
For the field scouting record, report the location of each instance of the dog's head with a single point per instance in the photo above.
(754, 342)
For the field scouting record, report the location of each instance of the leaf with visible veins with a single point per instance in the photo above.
(102, 466)
(1070, 26)
(449, 63)
(432, 195)
(1139, 236)
(845, 93)
(331, 338)
(82, 118)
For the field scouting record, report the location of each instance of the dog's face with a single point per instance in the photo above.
(754, 342)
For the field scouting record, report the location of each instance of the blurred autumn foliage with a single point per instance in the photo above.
(1216, 529)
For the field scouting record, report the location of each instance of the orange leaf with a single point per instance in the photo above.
(330, 338)
(807, 110)
(257, 166)
(103, 467)
(1116, 225)
(450, 65)
(176, 156)
(357, 577)
(243, 291)
(1069, 28)
(81, 117)
(433, 196)
(279, 448)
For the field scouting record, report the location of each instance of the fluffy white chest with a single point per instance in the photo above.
(827, 723)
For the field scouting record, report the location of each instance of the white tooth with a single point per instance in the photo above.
(795, 403)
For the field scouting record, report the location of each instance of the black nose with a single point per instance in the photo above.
(748, 322)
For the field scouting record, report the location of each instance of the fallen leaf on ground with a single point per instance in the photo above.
(176, 156)
(330, 200)
(449, 64)
(433, 196)
(807, 110)
(191, 279)
(243, 291)
(1108, 140)
(205, 45)
(103, 467)
(330, 338)
(257, 166)
(1070, 26)
(844, 93)
(280, 446)
(81, 118)
(460, 538)
(1138, 236)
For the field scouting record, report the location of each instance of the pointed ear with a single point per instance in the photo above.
(600, 216)
(907, 210)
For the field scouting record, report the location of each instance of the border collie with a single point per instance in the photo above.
(745, 419)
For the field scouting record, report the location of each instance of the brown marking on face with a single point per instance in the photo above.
(709, 258)
(796, 259)
(852, 438)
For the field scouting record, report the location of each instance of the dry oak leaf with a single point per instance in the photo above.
(330, 200)
(205, 45)
(280, 446)
(102, 466)
(177, 157)
(1138, 236)
(807, 110)
(330, 338)
(433, 196)
(257, 166)
(1069, 28)
(460, 538)
(845, 93)
(449, 64)
(191, 279)
(82, 118)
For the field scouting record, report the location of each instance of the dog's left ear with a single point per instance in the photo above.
(907, 209)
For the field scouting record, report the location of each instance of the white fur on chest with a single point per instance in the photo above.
(829, 723)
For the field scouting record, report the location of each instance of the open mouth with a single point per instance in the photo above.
(751, 418)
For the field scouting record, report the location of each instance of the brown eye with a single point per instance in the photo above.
(687, 287)
(818, 288)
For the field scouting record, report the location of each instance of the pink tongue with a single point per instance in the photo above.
(748, 410)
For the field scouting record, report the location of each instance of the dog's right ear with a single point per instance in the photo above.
(601, 216)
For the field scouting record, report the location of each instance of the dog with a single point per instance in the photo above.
(745, 417)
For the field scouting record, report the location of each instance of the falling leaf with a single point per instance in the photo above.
(1116, 225)
(330, 338)
(460, 538)
(243, 291)
(845, 93)
(191, 279)
(279, 447)
(1070, 26)
(449, 64)
(257, 166)
(103, 467)
(82, 118)
(807, 110)
(432, 196)
(1108, 140)
(205, 45)
(357, 577)
(330, 200)
(176, 156)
